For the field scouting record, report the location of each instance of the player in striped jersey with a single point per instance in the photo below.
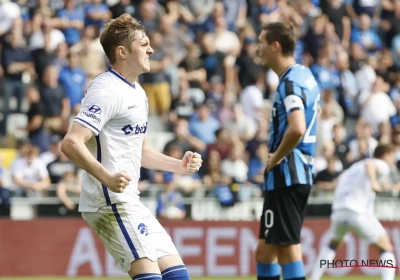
(288, 176)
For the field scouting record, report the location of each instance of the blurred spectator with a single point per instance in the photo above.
(257, 165)
(154, 82)
(226, 41)
(124, 6)
(55, 100)
(8, 12)
(371, 108)
(212, 58)
(203, 125)
(356, 8)
(96, 14)
(36, 114)
(224, 111)
(60, 167)
(241, 125)
(91, 53)
(31, 176)
(364, 144)
(261, 137)
(48, 38)
(183, 106)
(15, 60)
(327, 152)
(2, 171)
(69, 185)
(184, 139)
(327, 178)
(234, 166)
(170, 203)
(54, 149)
(147, 16)
(215, 93)
(336, 12)
(366, 36)
(248, 65)
(71, 21)
(342, 150)
(222, 145)
(191, 67)
(73, 80)
(251, 98)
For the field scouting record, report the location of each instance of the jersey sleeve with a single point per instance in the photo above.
(292, 96)
(97, 108)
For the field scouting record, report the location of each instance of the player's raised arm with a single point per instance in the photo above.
(151, 159)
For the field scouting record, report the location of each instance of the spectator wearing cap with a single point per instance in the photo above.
(71, 21)
(15, 60)
(73, 79)
(96, 14)
(203, 125)
(248, 65)
(36, 114)
(366, 36)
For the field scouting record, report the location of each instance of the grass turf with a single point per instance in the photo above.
(194, 278)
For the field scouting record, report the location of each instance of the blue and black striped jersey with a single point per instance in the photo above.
(297, 90)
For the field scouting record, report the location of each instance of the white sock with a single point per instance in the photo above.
(388, 273)
(326, 254)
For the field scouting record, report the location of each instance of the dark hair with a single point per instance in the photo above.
(383, 149)
(283, 33)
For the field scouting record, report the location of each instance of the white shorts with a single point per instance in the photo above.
(130, 232)
(365, 226)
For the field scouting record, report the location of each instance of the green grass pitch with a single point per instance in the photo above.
(194, 278)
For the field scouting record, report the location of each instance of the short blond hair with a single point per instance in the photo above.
(119, 32)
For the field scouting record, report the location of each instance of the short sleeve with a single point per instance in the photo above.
(292, 96)
(97, 108)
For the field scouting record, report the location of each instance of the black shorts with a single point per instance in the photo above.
(283, 214)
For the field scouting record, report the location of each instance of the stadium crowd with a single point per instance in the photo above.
(206, 87)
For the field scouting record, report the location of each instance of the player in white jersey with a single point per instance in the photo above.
(107, 140)
(353, 209)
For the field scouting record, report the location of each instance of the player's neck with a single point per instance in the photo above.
(283, 64)
(128, 74)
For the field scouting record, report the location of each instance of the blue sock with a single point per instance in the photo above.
(147, 276)
(177, 272)
(293, 271)
(268, 271)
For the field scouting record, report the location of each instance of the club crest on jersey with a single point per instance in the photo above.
(128, 129)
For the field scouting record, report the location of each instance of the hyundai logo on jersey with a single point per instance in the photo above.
(94, 109)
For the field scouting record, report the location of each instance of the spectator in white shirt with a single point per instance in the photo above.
(31, 176)
(252, 100)
(234, 166)
(8, 12)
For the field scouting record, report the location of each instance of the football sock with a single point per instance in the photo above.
(270, 271)
(387, 259)
(326, 254)
(293, 271)
(147, 276)
(177, 272)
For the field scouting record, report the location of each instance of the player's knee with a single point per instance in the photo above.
(288, 254)
(384, 244)
(264, 253)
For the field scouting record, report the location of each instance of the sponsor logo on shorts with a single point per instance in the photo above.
(142, 228)
(132, 107)
(91, 116)
(94, 109)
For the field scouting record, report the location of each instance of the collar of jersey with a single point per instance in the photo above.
(286, 71)
(120, 77)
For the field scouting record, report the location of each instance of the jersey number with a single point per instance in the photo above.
(269, 221)
(307, 137)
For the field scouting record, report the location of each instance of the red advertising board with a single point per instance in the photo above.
(69, 247)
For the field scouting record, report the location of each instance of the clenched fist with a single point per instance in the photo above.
(118, 182)
(191, 163)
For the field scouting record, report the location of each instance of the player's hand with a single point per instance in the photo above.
(118, 182)
(191, 163)
(272, 162)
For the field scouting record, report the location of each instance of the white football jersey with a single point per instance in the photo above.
(116, 111)
(354, 190)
